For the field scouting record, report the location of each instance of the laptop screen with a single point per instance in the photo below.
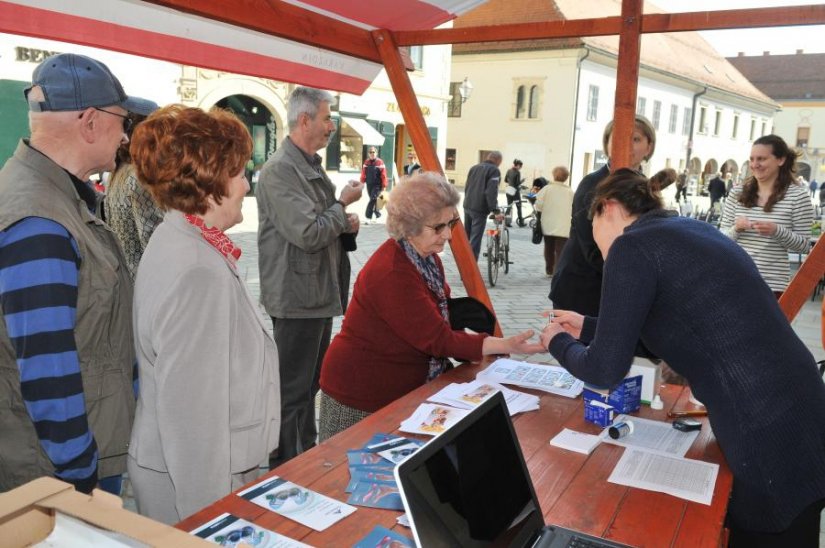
(470, 485)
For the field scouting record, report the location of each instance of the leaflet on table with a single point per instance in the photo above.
(548, 378)
(431, 420)
(377, 494)
(470, 395)
(229, 530)
(381, 537)
(655, 436)
(684, 478)
(297, 503)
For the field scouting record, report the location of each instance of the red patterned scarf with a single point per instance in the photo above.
(216, 239)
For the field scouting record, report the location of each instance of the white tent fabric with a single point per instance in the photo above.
(142, 28)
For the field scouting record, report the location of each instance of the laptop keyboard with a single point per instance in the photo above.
(580, 542)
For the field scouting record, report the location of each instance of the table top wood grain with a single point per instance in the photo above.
(572, 488)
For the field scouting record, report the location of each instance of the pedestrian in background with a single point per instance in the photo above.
(554, 203)
(374, 175)
(304, 267)
(716, 189)
(513, 188)
(412, 167)
(481, 198)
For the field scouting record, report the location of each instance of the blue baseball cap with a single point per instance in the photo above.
(73, 82)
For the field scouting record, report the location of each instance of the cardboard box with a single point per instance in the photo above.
(651, 378)
(625, 397)
(28, 515)
(599, 412)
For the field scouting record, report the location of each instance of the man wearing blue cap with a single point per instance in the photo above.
(66, 351)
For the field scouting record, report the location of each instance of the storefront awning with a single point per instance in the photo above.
(320, 43)
(366, 131)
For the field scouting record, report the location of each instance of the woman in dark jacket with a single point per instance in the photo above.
(731, 341)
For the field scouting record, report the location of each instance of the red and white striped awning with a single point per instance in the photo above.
(151, 30)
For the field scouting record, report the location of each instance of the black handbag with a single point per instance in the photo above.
(470, 313)
(538, 237)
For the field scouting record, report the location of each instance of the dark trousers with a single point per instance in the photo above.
(552, 251)
(373, 191)
(474, 223)
(681, 191)
(516, 198)
(802, 533)
(302, 343)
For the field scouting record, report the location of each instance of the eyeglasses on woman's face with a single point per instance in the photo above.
(439, 228)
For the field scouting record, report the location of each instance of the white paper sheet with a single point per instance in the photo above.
(548, 378)
(656, 436)
(688, 479)
(221, 529)
(70, 532)
(576, 441)
(471, 394)
(431, 420)
(297, 503)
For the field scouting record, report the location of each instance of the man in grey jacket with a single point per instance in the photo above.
(481, 197)
(304, 268)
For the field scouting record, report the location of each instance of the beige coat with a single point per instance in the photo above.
(555, 202)
(209, 404)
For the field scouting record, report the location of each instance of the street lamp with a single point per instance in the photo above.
(465, 89)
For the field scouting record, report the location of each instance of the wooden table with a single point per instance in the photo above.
(572, 488)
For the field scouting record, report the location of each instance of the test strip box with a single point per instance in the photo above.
(599, 412)
(625, 397)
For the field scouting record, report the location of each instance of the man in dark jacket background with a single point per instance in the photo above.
(481, 197)
(716, 189)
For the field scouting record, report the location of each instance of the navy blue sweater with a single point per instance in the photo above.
(695, 298)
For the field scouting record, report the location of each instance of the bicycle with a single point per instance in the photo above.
(498, 245)
(525, 219)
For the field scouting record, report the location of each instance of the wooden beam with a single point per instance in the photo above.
(804, 282)
(284, 20)
(627, 78)
(420, 137)
(606, 26)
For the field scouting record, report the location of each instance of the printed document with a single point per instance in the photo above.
(655, 436)
(548, 378)
(684, 478)
(229, 530)
(470, 395)
(432, 420)
(297, 503)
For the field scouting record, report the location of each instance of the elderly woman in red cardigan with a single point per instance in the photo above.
(396, 333)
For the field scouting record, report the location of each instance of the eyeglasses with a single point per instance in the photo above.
(372, 152)
(439, 228)
(127, 122)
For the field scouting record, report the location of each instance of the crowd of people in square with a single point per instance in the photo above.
(130, 341)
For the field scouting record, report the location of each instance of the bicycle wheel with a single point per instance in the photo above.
(505, 250)
(492, 259)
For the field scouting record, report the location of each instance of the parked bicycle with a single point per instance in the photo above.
(526, 217)
(498, 244)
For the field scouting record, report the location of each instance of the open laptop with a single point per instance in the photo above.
(469, 487)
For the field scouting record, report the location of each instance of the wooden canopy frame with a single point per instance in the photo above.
(284, 20)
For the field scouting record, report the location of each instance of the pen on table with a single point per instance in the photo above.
(694, 413)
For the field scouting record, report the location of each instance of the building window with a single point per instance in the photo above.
(735, 132)
(449, 160)
(686, 129)
(592, 103)
(520, 102)
(352, 145)
(417, 56)
(482, 155)
(671, 123)
(764, 125)
(753, 129)
(703, 120)
(802, 136)
(657, 114)
(454, 106)
(641, 105)
(533, 111)
(717, 123)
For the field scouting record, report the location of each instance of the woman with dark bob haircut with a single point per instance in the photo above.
(729, 338)
(208, 412)
(770, 215)
(396, 333)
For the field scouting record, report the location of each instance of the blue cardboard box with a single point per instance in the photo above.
(625, 397)
(599, 412)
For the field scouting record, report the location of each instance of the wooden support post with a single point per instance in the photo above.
(420, 137)
(627, 78)
(804, 282)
